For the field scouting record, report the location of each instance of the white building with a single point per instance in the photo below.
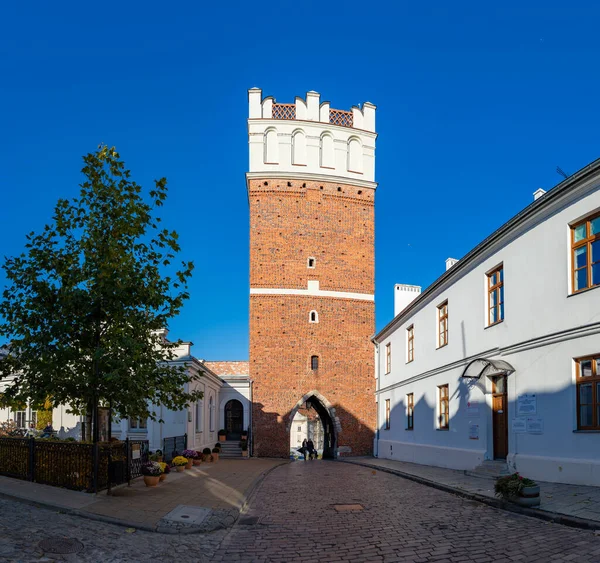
(225, 405)
(500, 357)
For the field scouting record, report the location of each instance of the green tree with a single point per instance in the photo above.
(86, 305)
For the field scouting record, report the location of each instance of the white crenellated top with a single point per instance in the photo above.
(311, 139)
(404, 295)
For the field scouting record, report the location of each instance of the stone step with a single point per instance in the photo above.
(490, 469)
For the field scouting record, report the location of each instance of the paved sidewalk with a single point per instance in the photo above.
(577, 504)
(222, 487)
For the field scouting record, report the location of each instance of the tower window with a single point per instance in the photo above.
(313, 317)
(314, 363)
(311, 262)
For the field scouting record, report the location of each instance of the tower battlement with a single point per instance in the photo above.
(308, 138)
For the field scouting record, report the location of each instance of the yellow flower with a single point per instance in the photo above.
(180, 460)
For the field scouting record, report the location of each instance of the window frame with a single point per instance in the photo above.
(137, 426)
(410, 411)
(388, 358)
(410, 344)
(587, 242)
(498, 289)
(314, 363)
(211, 414)
(387, 414)
(442, 316)
(594, 380)
(443, 399)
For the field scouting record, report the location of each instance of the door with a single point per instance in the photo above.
(500, 416)
(234, 419)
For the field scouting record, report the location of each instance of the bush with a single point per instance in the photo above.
(216, 450)
(512, 485)
(206, 451)
(218, 445)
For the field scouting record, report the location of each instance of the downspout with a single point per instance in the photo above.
(377, 386)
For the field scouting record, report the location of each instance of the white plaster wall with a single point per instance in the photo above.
(544, 328)
(312, 123)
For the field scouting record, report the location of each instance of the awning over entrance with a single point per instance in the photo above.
(480, 366)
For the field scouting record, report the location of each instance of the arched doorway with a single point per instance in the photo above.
(329, 424)
(234, 419)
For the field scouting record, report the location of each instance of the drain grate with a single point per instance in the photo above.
(348, 507)
(248, 521)
(61, 546)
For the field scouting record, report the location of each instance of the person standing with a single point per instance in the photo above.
(304, 448)
(311, 449)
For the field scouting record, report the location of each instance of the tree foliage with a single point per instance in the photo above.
(86, 305)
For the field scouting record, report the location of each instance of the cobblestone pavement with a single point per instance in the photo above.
(293, 517)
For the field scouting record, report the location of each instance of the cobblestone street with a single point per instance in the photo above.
(301, 513)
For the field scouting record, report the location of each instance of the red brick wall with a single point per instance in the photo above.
(288, 224)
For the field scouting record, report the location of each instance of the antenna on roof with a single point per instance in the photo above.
(561, 172)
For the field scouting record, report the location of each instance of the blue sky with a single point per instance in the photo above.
(477, 106)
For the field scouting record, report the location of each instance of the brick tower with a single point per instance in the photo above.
(311, 193)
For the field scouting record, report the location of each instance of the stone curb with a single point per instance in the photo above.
(555, 517)
(128, 524)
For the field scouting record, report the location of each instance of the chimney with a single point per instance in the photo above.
(404, 295)
(450, 262)
(538, 194)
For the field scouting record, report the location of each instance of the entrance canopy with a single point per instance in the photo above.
(480, 366)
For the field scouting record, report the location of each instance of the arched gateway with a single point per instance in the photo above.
(329, 421)
(234, 419)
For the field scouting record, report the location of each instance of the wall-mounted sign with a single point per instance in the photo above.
(473, 431)
(526, 405)
(535, 424)
(473, 408)
(519, 425)
(135, 451)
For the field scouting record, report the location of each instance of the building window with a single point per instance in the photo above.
(443, 408)
(410, 343)
(199, 415)
(387, 414)
(211, 415)
(496, 296)
(443, 324)
(311, 262)
(313, 317)
(21, 419)
(388, 357)
(588, 393)
(585, 258)
(138, 424)
(410, 405)
(299, 429)
(314, 363)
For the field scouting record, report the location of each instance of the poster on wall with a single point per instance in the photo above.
(473, 408)
(535, 424)
(526, 404)
(473, 431)
(519, 425)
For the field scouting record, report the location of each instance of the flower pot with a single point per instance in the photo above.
(163, 477)
(244, 453)
(529, 492)
(215, 457)
(151, 480)
(244, 437)
(189, 464)
(222, 438)
(180, 468)
(197, 461)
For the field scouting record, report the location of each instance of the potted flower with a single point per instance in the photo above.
(222, 435)
(215, 454)
(151, 471)
(164, 467)
(191, 455)
(244, 434)
(180, 462)
(518, 489)
(206, 454)
(156, 456)
(244, 446)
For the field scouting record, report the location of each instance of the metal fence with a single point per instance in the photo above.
(72, 465)
(173, 447)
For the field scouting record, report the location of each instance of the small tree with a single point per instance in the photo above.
(87, 303)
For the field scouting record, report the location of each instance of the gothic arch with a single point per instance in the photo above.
(327, 151)
(355, 157)
(271, 145)
(298, 147)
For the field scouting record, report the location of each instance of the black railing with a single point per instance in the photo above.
(72, 464)
(173, 447)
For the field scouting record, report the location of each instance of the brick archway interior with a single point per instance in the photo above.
(326, 412)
